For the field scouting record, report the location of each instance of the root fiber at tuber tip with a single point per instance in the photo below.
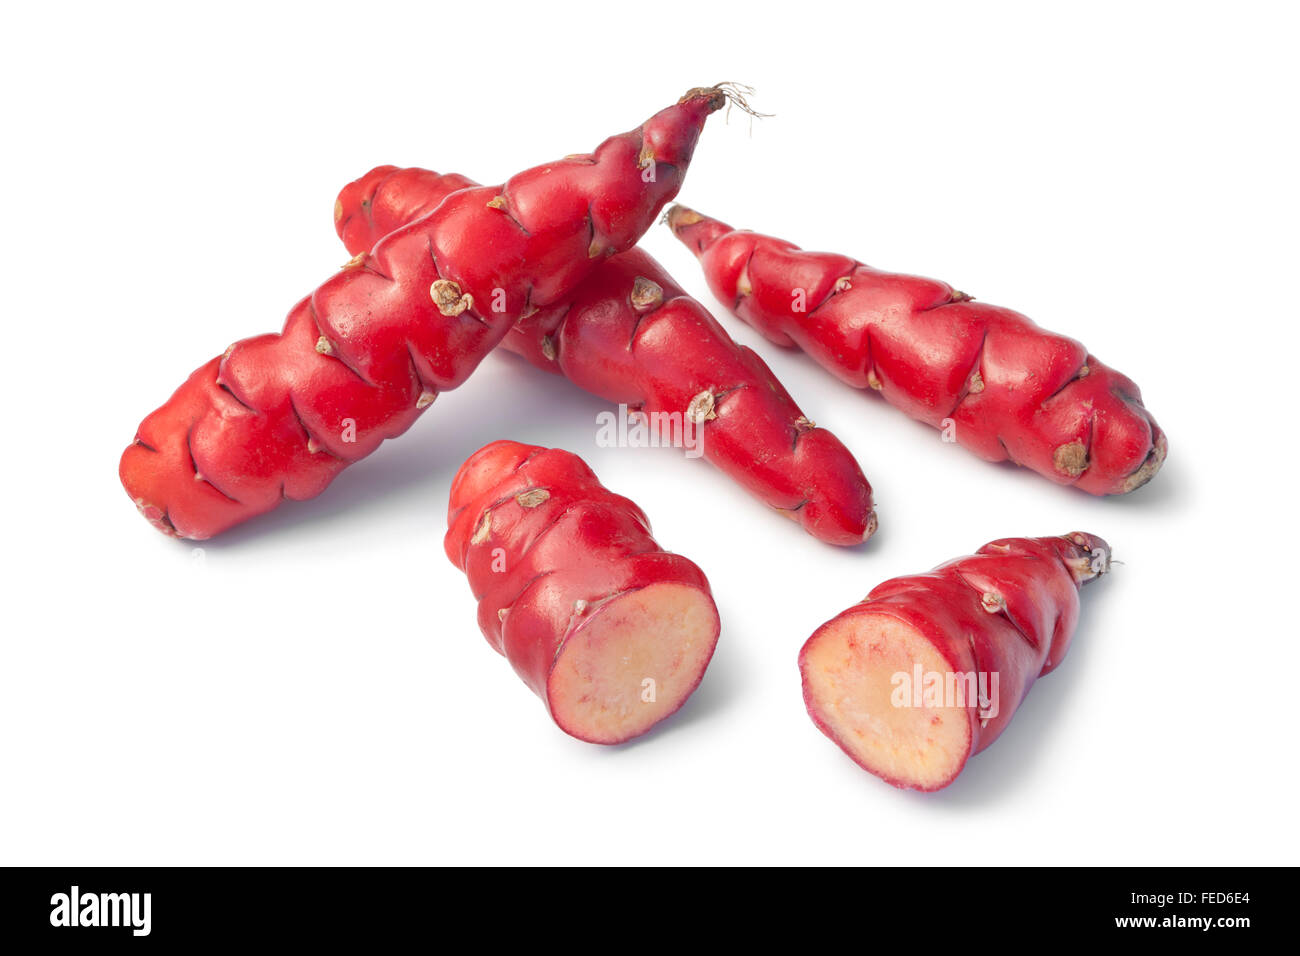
(726, 94)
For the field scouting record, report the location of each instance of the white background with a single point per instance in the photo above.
(314, 689)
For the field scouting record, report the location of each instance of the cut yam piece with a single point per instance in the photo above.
(610, 630)
(929, 668)
(633, 662)
(849, 667)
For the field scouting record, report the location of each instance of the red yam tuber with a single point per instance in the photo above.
(612, 632)
(279, 416)
(997, 383)
(632, 336)
(929, 669)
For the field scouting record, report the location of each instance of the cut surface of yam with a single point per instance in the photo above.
(633, 662)
(849, 669)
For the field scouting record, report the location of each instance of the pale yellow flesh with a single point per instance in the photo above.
(848, 671)
(633, 663)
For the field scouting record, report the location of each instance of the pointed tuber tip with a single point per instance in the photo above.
(1091, 559)
(679, 217)
(723, 94)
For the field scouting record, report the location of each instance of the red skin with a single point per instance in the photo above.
(562, 557)
(1021, 638)
(1012, 390)
(657, 355)
(372, 346)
